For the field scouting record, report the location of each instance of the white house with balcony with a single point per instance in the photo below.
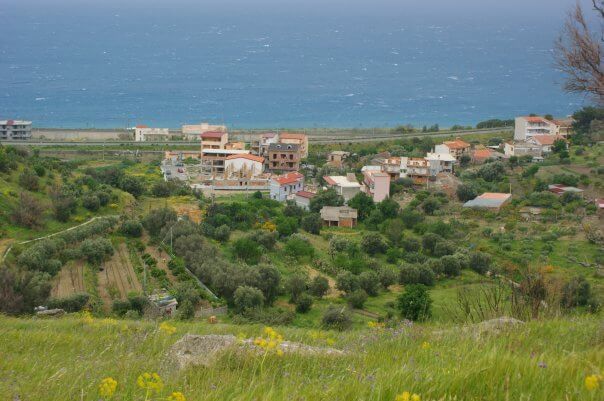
(526, 127)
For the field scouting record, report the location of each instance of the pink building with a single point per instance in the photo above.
(376, 183)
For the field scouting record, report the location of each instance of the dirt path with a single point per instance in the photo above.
(118, 278)
(70, 280)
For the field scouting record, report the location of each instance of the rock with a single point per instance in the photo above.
(198, 350)
(50, 313)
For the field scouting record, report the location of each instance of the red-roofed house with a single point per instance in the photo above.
(482, 155)
(456, 148)
(303, 199)
(546, 142)
(284, 187)
(525, 127)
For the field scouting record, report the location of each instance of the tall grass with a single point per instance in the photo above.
(66, 359)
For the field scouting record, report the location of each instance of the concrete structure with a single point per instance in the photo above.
(193, 132)
(284, 187)
(522, 148)
(303, 198)
(260, 145)
(456, 148)
(337, 157)
(214, 140)
(565, 126)
(391, 166)
(213, 160)
(483, 154)
(440, 163)
(164, 304)
(376, 183)
(489, 200)
(339, 216)
(416, 168)
(347, 186)
(525, 127)
(560, 189)
(284, 157)
(243, 165)
(546, 142)
(294, 138)
(142, 133)
(15, 130)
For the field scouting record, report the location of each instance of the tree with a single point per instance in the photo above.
(312, 223)
(247, 250)
(269, 282)
(329, 197)
(370, 282)
(29, 180)
(373, 244)
(319, 286)
(96, 250)
(415, 303)
(161, 189)
(347, 282)
(559, 146)
(303, 303)
(464, 160)
(132, 184)
(28, 212)
(363, 203)
(298, 247)
(286, 226)
(222, 233)
(394, 231)
(91, 202)
(466, 192)
(480, 262)
(296, 285)
(157, 219)
(247, 298)
(578, 53)
(429, 242)
(411, 217)
(389, 208)
(430, 205)
(387, 277)
(132, 228)
(336, 317)
(357, 299)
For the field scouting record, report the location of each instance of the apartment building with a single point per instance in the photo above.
(526, 127)
(391, 166)
(416, 168)
(15, 130)
(214, 140)
(294, 138)
(456, 148)
(213, 161)
(346, 186)
(376, 183)
(284, 157)
(260, 146)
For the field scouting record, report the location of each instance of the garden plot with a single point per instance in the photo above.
(118, 279)
(70, 280)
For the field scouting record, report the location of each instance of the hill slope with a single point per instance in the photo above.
(67, 358)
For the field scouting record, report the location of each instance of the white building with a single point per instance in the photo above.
(440, 163)
(346, 186)
(143, 133)
(303, 198)
(526, 127)
(284, 187)
(193, 132)
(244, 165)
(15, 130)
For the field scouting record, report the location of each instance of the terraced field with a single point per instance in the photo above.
(70, 280)
(117, 278)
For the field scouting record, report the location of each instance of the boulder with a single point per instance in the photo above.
(50, 313)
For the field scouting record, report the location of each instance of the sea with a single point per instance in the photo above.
(83, 64)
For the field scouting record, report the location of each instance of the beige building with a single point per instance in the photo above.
(15, 130)
(295, 138)
(346, 186)
(214, 140)
(142, 133)
(193, 132)
(339, 216)
(456, 148)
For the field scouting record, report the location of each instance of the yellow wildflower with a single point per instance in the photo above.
(150, 382)
(279, 352)
(415, 397)
(407, 396)
(592, 382)
(177, 396)
(330, 341)
(425, 345)
(87, 317)
(167, 328)
(107, 387)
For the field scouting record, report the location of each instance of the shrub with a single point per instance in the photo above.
(347, 282)
(411, 244)
(298, 247)
(132, 184)
(363, 203)
(443, 248)
(269, 281)
(415, 303)
(132, 228)
(408, 274)
(373, 244)
(157, 219)
(576, 292)
(369, 282)
(386, 277)
(29, 180)
(96, 250)
(319, 286)
(312, 223)
(28, 212)
(296, 285)
(451, 265)
(303, 303)
(246, 298)
(357, 299)
(426, 276)
(73, 303)
(466, 192)
(247, 250)
(430, 205)
(91, 202)
(480, 262)
(222, 233)
(336, 317)
(429, 242)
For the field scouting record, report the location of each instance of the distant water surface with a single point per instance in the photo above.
(115, 67)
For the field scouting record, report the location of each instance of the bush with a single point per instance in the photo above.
(29, 180)
(347, 282)
(429, 242)
(96, 250)
(247, 250)
(451, 265)
(336, 317)
(576, 292)
(415, 303)
(443, 248)
(319, 286)
(269, 282)
(132, 184)
(286, 226)
(430, 205)
(357, 299)
(246, 298)
(408, 274)
(28, 212)
(91, 202)
(298, 247)
(73, 303)
(373, 244)
(312, 223)
(466, 192)
(157, 219)
(480, 262)
(303, 303)
(132, 228)
(296, 285)
(369, 282)
(222, 233)
(386, 277)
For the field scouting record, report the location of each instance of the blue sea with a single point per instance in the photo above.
(117, 64)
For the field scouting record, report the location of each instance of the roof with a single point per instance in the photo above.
(447, 157)
(288, 178)
(142, 126)
(536, 119)
(305, 194)
(213, 134)
(488, 200)
(457, 144)
(546, 139)
(482, 153)
(246, 156)
(339, 152)
(14, 122)
(292, 135)
(288, 147)
(225, 151)
(341, 181)
(269, 135)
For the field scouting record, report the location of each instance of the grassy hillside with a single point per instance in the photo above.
(66, 359)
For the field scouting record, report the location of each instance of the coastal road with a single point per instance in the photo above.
(331, 138)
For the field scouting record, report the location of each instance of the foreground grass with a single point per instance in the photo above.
(66, 359)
